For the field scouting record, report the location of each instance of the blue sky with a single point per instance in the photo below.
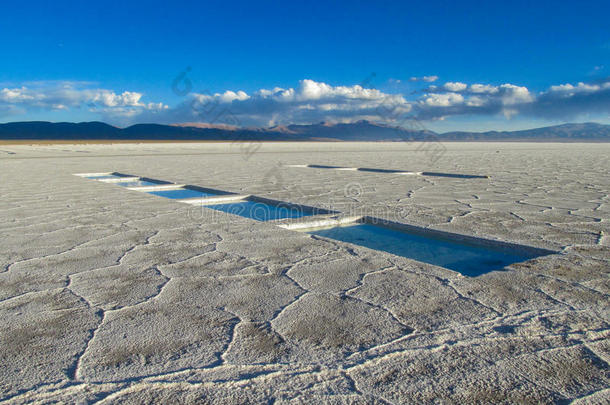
(263, 63)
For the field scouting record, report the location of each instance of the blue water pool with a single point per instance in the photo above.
(138, 183)
(180, 193)
(260, 211)
(466, 258)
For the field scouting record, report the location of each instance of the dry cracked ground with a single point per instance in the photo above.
(109, 295)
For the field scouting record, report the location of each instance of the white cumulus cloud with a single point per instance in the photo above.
(512, 94)
(443, 99)
(569, 89)
(455, 86)
(483, 88)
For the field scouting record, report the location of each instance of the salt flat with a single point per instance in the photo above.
(114, 295)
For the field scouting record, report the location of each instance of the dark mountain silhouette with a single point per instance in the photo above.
(60, 130)
(357, 131)
(566, 132)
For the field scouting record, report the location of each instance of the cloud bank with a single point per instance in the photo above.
(309, 102)
(312, 101)
(66, 95)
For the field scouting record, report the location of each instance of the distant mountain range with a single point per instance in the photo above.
(358, 131)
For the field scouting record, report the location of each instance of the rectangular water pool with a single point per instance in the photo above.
(261, 211)
(467, 258)
(139, 183)
(180, 193)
